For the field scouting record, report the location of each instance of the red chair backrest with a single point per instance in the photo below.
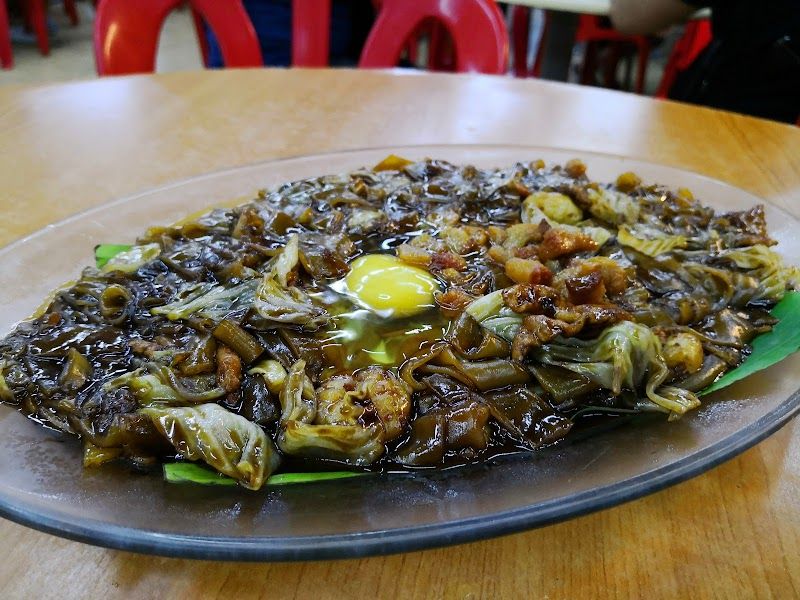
(696, 36)
(311, 33)
(126, 33)
(477, 27)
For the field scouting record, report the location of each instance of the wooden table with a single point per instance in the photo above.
(733, 532)
(586, 7)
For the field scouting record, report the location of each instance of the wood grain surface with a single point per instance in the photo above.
(733, 532)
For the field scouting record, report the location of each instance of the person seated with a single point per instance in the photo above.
(751, 66)
(272, 20)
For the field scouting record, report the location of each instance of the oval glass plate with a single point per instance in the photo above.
(43, 485)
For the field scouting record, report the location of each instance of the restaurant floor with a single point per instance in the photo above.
(71, 55)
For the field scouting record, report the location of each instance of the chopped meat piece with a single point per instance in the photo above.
(528, 271)
(540, 329)
(522, 234)
(515, 186)
(452, 302)
(586, 289)
(414, 256)
(464, 240)
(448, 260)
(614, 276)
(496, 234)
(561, 242)
(529, 251)
(498, 254)
(575, 168)
(526, 298)
(595, 314)
(229, 369)
(144, 347)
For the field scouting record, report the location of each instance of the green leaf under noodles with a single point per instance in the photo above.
(105, 252)
(187, 472)
(292, 478)
(226, 441)
(624, 355)
(768, 348)
(129, 259)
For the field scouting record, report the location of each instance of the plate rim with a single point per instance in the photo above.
(391, 541)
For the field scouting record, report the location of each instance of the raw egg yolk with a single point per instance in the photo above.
(389, 287)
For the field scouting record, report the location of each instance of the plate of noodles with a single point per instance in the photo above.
(388, 349)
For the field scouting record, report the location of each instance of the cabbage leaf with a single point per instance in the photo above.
(210, 300)
(625, 355)
(767, 267)
(226, 441)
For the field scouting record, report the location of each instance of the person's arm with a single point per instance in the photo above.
(638, 17)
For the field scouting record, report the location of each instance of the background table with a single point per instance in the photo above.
(733, 532)
(587, 7)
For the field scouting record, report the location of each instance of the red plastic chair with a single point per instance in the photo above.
(696, 36)
(477, 28)
(126, 33)
(35, 12)
(311, 33)
(520, 28)
(591, 30)
(6, 55)
(202, 38)
(72, 12)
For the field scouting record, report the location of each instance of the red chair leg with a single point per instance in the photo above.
(537, 63)
(202, 38)
(588, 75)
(520, 29)
(72, 12)
(436, 46)
(695, 38)
(6, 55)
(641, 67)
(615, 51)
(412, 49)
(36, 17)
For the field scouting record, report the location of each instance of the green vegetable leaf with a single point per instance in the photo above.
(104, 252)
(771, 347)
(290, 478)
(187, 472)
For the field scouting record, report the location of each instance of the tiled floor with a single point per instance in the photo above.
(71, 54)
